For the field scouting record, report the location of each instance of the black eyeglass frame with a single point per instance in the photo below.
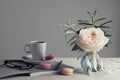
(11, 64)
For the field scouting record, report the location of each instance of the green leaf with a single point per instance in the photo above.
(74, 42)
(107, 45)
(95, 26)
(75, 47)
(78, 52)
(81, 49)
(89, 13)
(108, 35)
(105, 32)
(70, 29)
(104, 26)
(78, 32)
(100, 19)
(106, 23)
(71, 39)
(94, 13)
(70, 32)
(86, 26)
(68, 22)
(84, 23)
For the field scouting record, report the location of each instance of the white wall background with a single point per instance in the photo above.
(24, 20)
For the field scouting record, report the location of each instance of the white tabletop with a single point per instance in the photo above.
(112, 65)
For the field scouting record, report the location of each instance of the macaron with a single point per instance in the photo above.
(67, 71)
(49, 57)
(45, 65)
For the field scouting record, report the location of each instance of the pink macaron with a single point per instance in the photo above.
(50, 57)
(45, 65)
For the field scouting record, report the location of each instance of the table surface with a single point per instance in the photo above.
(112, 66)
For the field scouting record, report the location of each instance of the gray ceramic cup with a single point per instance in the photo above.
(37, 49)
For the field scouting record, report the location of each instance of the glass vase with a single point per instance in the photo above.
(91, 62)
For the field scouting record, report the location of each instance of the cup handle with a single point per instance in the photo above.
(29, 50)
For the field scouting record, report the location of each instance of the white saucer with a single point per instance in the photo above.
(33, 61)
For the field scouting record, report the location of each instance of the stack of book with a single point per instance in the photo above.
(56, 67)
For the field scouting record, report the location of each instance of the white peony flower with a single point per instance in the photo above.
(92, 39)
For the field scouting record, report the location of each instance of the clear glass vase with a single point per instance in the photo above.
(91, 62)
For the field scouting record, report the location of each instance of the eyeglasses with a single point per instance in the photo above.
(18, 64)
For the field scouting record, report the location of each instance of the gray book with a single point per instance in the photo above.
(8, 72)
(56, 68)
